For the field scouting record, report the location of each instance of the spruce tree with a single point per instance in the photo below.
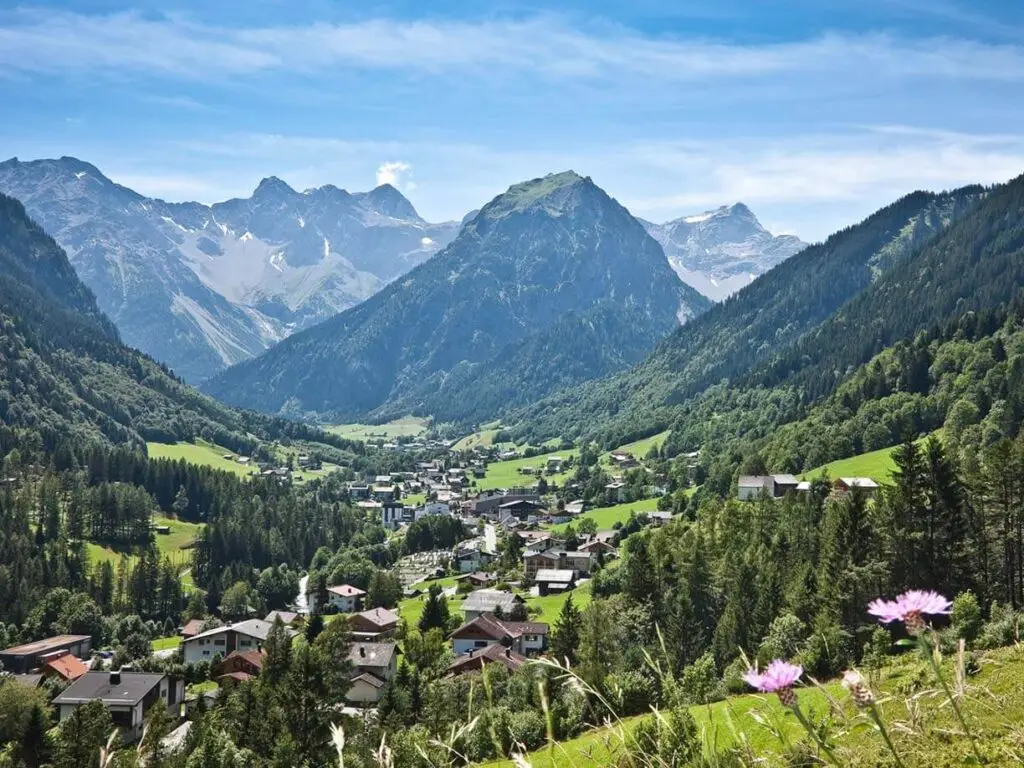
(565, 639)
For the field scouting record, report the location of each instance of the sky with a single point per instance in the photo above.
(812, 112)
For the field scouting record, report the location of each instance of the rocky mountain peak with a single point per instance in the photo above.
(388, 201)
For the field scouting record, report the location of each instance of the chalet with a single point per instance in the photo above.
(66, 668)
(344, 598)
(554, 465)
(535, 541)
(244, 636)
(374, 666)
(753, 487)
(192, 628)
(843, 486)
(596, 545)
(474, 661)
(658, 517)
(22, 659)
(373, 625)
(523, 637)
(616, 492)
(580, 562)
(128, 696)
(521, 509)
(575, 508)
(480, 578)
(553, 581)
(624, 460)
(432, 509)
(487, 502)
(488, 601)
(288, 618)
(239, 667)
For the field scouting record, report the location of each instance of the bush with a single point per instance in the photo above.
(783, 639)
(732, 678)
(668, 742)
(1002, 628)
(699, 683)
(528, 730)
(966, 618)
(630, 691)
(827, 651)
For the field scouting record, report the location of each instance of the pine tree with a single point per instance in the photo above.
(435, 612)
(565, 639)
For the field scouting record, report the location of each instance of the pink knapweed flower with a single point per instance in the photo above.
(778, 678)
(854, 682)
(910, 608)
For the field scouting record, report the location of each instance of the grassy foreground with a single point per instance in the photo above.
(202, 453)
(505, 474)
(923, 727)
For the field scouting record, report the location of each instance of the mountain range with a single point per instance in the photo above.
(813, 319)
(720, 251)
(202, 287)
(550, 284)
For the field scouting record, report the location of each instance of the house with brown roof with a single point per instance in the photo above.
(66, 668)
(192, 628)
(239, 667)
(288, 618)
(375, 624)
(474, 661)
(524, 637)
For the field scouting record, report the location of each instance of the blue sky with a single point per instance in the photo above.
(814, 113)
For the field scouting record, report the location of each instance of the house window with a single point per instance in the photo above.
(479, 643)
(219, 642)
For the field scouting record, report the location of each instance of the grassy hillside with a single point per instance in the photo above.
(878, 465)
(199, 452)
(639, 448)
(410, 426)
(921, 723)
(505, 474)
(606, 517)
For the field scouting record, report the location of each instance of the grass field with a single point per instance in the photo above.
(174, 545)
(606, 517)
(505, 474)
(878, 465)
(928, 734)
(547, 608)
(410, 426)
(166, 643)
(639, 448)
(411, 608)
(198, 453)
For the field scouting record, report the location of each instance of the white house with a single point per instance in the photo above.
(243, 636)
(432, 509)
(523, 637)
(344, 598)
(375, 665)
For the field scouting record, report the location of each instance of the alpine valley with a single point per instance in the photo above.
(201, 287)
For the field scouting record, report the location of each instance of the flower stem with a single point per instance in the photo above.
(877, 717)
(933, 659)
(814, 734)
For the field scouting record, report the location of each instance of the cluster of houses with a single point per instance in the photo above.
(754, 487)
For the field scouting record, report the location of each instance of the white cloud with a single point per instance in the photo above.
(44, 40)
(394, 173)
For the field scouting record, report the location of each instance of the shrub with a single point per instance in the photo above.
(1002, 628)
(671, 741)
(699, 683)
(966, 618)
(783, 639)
(630, 691)
(527, 729)
(827, 651)
(732, 678)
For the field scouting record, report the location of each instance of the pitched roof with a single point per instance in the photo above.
(286, 616)
(129, 689)
(556, 576)
(346, 590)
(252, 628)
(486, 600)
(68, 667)
(489, 655)
(372, 654)
(382, 617)
(858, 482)
(256, 658)
(369, 679)
(192, 628)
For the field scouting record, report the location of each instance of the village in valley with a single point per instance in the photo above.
(524, 549)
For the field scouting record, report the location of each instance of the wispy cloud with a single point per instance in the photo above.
(43, 40)
(395, 173)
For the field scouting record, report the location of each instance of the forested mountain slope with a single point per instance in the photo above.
(547, 250)
(65, 371)
(754, 326)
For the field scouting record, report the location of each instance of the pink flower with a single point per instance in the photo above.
(910, 608)
(779, 676)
